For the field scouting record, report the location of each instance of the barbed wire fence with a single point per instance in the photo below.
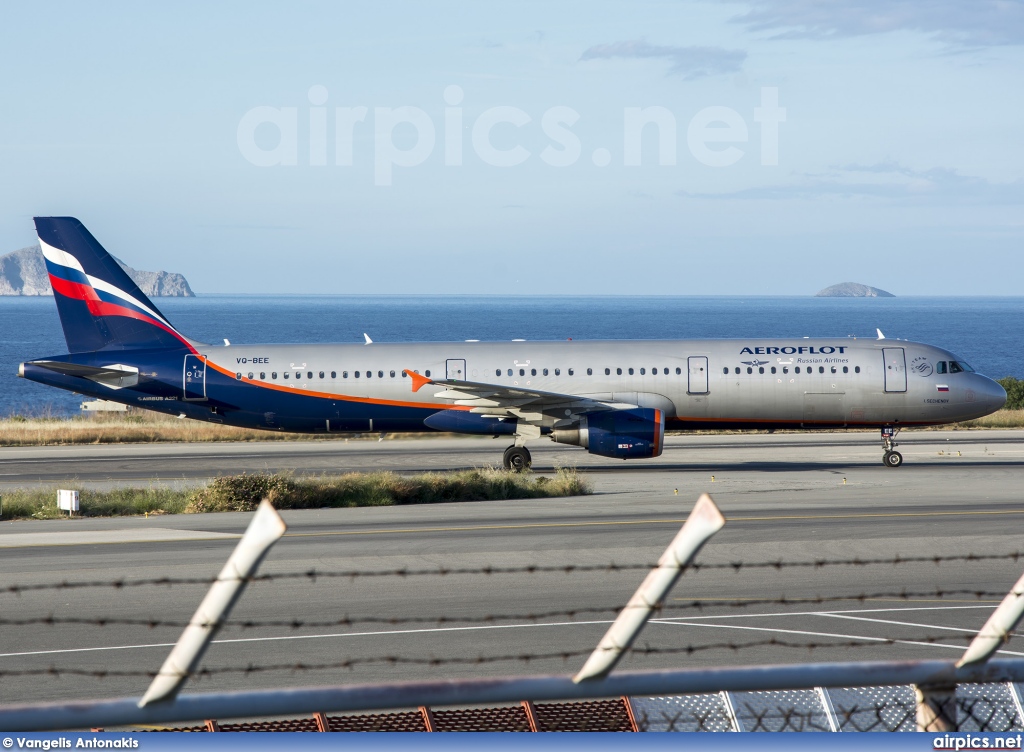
(892, 704)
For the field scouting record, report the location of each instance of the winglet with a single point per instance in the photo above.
(368, 340)
(880, 335)
(418, 382)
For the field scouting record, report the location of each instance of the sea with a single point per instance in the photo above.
(984, 331)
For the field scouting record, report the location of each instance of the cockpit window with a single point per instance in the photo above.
(954, 367)
(940, 367)
(965, 366)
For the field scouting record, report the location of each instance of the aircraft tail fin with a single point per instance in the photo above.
(100, 307)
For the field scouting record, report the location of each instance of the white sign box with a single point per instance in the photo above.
(67, 501)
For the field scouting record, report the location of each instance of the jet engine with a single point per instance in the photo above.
(625, 434)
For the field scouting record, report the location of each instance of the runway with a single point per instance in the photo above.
(792, 497)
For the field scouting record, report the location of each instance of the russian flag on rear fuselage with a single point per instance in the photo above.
(100, 307)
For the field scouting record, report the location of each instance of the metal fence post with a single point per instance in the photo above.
(704, 521)
(936, 707)
(998, 627)
(265, 529)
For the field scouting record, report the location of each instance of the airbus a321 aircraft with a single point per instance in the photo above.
(613, 398)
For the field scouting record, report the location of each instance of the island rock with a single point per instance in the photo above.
(853, 290)
(23, 272)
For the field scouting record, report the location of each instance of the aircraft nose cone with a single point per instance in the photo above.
(992, 395)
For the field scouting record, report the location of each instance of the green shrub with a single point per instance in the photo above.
(1014, 393)
(240, 493)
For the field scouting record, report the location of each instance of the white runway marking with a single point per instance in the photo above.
(894, 640)
(91, 537)
(678, 621)
(312, 637)
(898, 623)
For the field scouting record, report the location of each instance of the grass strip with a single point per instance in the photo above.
(242, 493)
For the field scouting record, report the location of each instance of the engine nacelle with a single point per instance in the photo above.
(624, 434)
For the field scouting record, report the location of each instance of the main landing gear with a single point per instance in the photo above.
(891, 458)
(517, 459)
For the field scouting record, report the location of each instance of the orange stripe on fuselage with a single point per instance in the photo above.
(332, 396)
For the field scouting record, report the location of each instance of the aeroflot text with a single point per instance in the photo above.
(809, 350)
(955, 742)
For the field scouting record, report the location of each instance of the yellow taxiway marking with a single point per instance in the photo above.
(612, 523)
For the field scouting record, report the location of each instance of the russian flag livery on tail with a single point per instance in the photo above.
(100, 307)
(613, 398)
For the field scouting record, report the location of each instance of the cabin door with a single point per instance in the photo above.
(697, 379)
(895, 369)
(456, 369)
(194, 385)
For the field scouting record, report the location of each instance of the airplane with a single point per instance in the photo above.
(613, 398)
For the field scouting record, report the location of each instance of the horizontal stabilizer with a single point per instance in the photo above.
(115, 376)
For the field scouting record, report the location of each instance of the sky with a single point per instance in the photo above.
(729, 148)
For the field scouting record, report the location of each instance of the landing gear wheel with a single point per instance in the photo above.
(892, 459)
(517, 459)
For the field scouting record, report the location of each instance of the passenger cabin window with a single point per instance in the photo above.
(773, 369)
(263, 374)
(856, 369)
(427, 373)
(760, 369)
(321, 375)
(545, 371)
(724, 370)
(607, 371)
(380, 374)
(558, 372)
(334, 374)
(785, 369)
(357, 374)
(238, 376)
(497, 372)
(796, 370)
(309, 374)
(509, 371)
(533, 371)
(273, 375)
(392, 374)
(286, 374)
(618, 371)
(642, 371)
(250, 374)
(631, 371)
(590, 372)
(846, 369)
(940, 367)
(954, 367)
(522, 371)
(570, 372)
(678, 370)
(821, 369)
(749, 369)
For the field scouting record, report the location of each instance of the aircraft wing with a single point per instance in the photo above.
(530, 405)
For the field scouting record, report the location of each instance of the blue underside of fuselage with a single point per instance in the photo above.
(236, 402)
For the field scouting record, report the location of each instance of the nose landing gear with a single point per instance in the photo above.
(891, 458)
(517, 459)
